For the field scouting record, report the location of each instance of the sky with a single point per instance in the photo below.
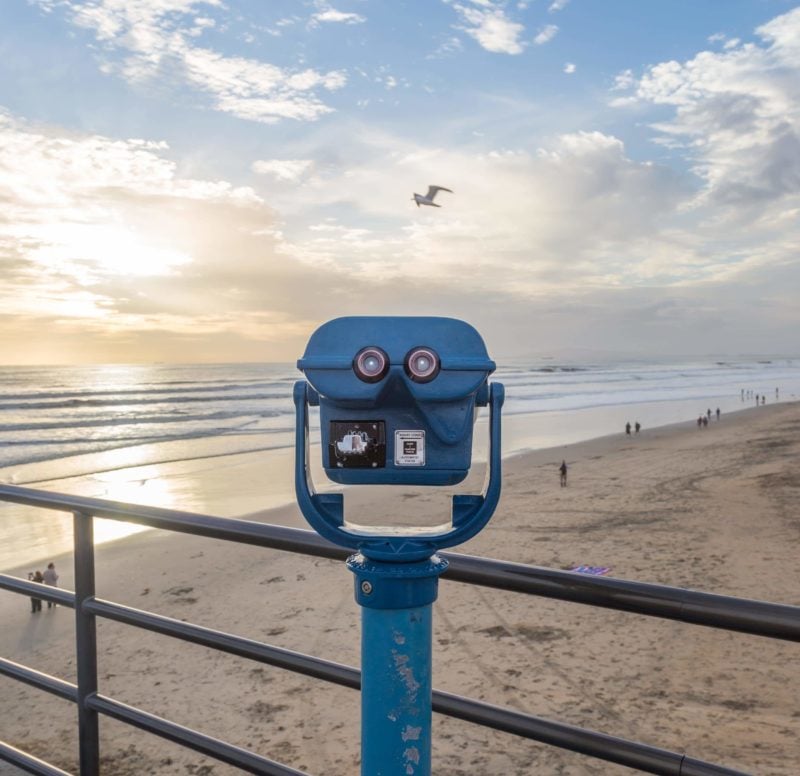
(209, 180)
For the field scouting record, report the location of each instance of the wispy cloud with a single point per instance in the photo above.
(157, 40)
(283, 169)
(569, 68)
(546, 34)
(329, 15)
(558, 5)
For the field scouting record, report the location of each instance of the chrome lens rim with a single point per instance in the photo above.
(371, 364)
(422, 364)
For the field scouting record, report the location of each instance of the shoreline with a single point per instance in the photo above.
(709, 509)
(201, 483)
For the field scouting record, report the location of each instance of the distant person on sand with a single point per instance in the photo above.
(776, 394)
(628, 429)
(699, 421)
(763, 400)
(637, 427)
(705, 420)
(708, 413)
(50, 577)
(756, 400)
(717, 413)
(36, 603)
(563, 470)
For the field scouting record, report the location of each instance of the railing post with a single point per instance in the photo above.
(396, 636)
(86, 645)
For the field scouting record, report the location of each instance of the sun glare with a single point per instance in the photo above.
(85, 251)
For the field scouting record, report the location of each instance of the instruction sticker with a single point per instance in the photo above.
(409, 448)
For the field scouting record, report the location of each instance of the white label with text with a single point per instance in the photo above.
(409, 448)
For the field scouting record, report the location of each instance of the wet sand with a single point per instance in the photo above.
(710, 509)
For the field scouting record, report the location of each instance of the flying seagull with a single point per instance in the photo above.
(428, 198)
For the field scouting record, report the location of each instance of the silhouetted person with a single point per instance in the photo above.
(563, 470)
(699, 421)
(628, 429)
(763, 400)
(637, 427)
(50, 577)
(705, 420)
(717, 413)
(36, 603)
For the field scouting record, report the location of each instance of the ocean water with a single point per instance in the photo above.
(62, 423)
(49, 413)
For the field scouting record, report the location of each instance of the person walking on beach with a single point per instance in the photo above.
(637, 427)
(628, 429)
(717, 413)
(699, 421)
(563, 470)
(36, 603)
(50, 577)
(705, 420)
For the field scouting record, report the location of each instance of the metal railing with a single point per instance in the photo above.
(735, 614)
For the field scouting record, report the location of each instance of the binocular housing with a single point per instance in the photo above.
(398, 397)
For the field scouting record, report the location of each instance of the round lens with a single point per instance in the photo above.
(422, 365)
(370, 364)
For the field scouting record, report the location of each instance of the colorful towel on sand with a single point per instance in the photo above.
(597, 571)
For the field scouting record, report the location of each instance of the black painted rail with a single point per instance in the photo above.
(779, 621)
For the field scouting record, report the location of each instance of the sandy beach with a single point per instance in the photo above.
(710, 509)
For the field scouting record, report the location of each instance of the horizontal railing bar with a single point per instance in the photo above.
(28, 762)
(648, 759)
(37, 590)
(31, 676)
(226, 642)
(645, 758)
(213, 747)
(759, 618)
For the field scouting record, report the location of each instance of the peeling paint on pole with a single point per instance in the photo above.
(396, 686)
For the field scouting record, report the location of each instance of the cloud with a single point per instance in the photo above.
(283, 169)
(623, 81)
(510, 226)
(569, 67)
(489, 25)
(546, 34)
(156, 41)
(331, 15)
(558, 5)
(735, 115)
(104, 243)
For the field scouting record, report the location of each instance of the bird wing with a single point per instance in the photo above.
(433, 189)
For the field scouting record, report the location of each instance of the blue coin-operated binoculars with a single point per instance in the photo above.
(398, 399)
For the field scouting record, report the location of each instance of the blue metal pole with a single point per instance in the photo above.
(396, 686)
